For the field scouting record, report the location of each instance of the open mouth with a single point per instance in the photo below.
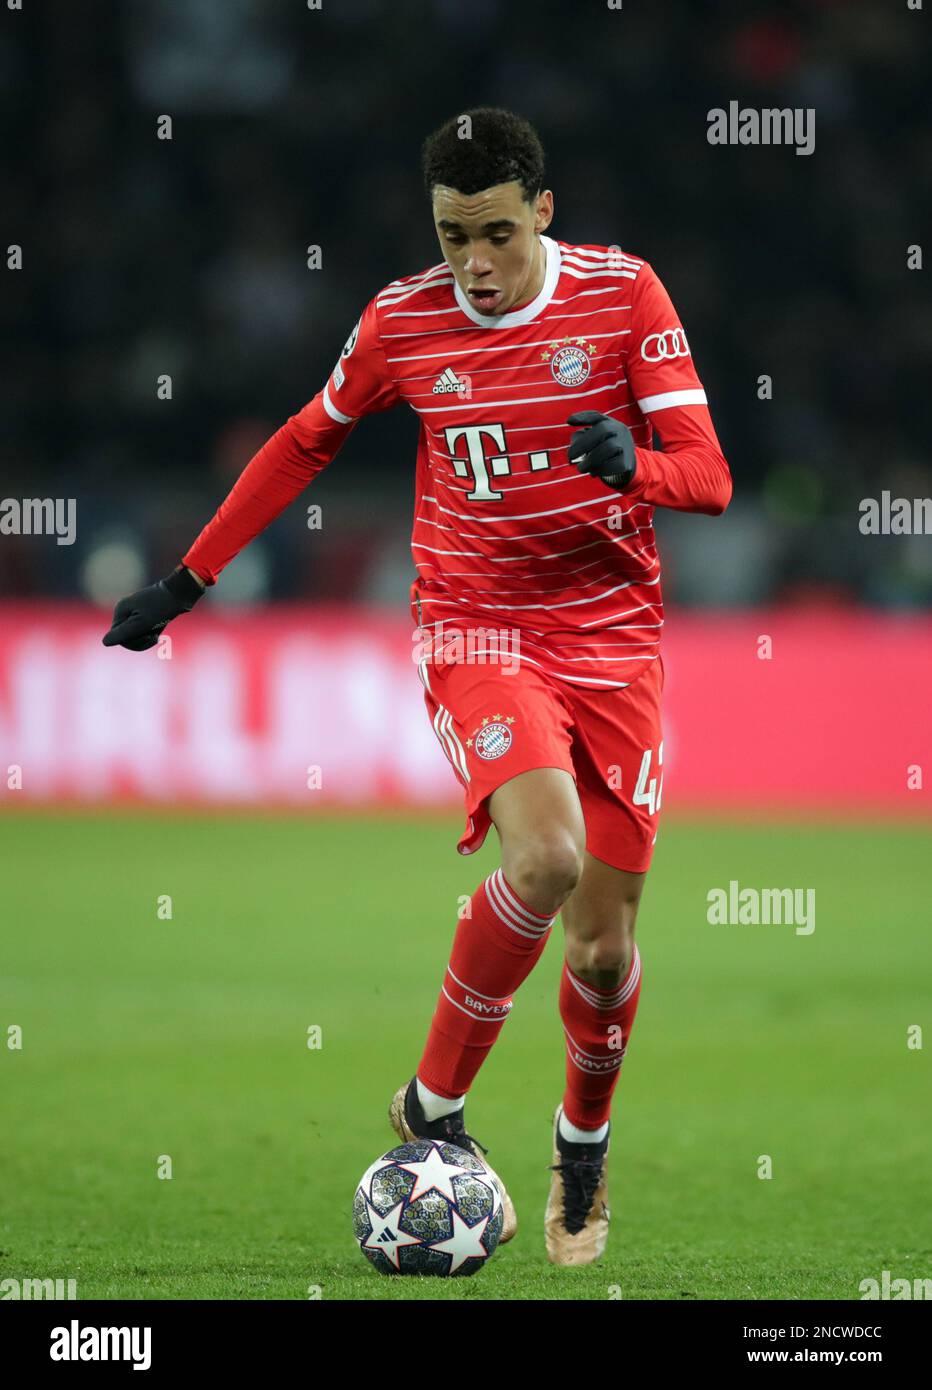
(485, 300)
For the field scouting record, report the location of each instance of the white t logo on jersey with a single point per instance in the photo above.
(476, 462)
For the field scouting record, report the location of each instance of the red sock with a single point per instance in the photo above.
(597, 1024)
(494, 950)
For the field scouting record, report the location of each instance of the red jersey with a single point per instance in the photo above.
(508, 534)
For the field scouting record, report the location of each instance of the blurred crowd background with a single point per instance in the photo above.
(295, 127)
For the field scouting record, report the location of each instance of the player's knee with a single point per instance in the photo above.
(603, 961)
(544, 867)
(600, 945)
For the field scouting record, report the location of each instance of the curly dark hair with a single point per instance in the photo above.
(501, 147)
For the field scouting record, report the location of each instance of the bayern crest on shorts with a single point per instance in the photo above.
(570, 360)
(492, 740)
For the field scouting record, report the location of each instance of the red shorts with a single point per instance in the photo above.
(493, 725)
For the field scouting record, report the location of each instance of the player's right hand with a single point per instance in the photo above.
(139, 618)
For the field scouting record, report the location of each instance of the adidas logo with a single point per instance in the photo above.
(448, 381)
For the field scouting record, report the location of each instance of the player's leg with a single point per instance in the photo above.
(502, 934)
(543, 835)
(503, 930)
(599, 993)
(599, 921)
(618, 758)
(504, 761)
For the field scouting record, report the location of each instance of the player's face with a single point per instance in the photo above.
(491, 242)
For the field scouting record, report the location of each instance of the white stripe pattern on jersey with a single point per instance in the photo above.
(523, 400)
(530, 535)
(598, 274)
(570, 603)
(604, 255)
(405, 280)
(332, 411)
(471, 352)
(512, 912)
(598, 501)
(619, 565)
(428, 281)
(694, 396)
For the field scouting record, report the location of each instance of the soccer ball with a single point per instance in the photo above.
(427, 1207)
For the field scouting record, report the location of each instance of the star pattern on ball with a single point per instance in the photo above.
(433, 1172)
(386, 1234)
(465, 1242)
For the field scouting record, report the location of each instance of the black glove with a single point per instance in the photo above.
(139, 618)
(603, 447)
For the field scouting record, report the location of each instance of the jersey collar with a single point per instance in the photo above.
(516, 317)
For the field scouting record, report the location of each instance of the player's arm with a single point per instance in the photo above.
(691, 473)
(360, 383)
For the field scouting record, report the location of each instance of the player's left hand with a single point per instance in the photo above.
(603, 447)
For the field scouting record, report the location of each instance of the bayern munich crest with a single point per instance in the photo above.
(493, 738)
(570, 360)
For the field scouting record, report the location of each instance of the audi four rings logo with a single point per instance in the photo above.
(671, 343)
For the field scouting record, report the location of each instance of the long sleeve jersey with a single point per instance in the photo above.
(508, 534)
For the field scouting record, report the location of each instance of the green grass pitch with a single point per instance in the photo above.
(188, 1037)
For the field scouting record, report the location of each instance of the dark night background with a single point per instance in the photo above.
(295, 127)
